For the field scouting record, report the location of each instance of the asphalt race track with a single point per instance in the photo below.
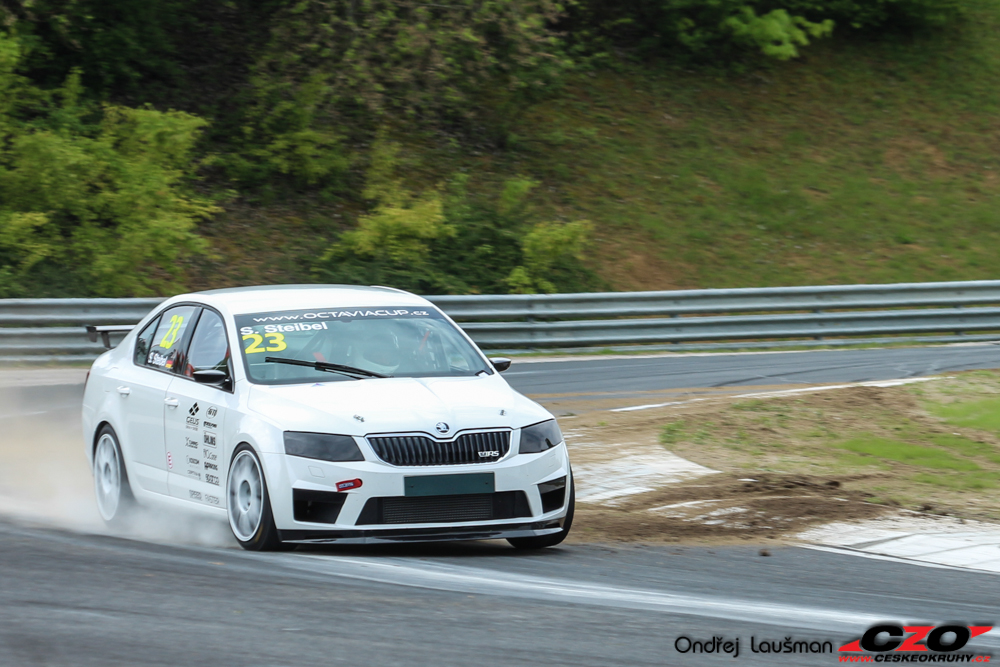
(80, 598)
(86, 600)
(596, 375)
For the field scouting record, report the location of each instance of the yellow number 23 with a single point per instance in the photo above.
(276, 343)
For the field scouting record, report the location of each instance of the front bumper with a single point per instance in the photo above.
(519, 473)
(426, 534)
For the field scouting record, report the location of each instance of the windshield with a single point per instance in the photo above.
(401, 342)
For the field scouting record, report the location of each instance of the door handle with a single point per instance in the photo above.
(124, 391)
(171, 402)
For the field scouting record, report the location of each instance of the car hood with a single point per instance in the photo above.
(393, 405)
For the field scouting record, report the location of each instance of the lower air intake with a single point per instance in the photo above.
(445, 509)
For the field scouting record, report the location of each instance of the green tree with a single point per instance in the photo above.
(334, 67)
(99, 190)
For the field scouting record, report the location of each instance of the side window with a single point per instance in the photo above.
(143, 342)
(168, 340)
(209, 349)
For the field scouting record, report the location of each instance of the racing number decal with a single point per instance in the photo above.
(254, 347)
(170, 337)
(276, 343)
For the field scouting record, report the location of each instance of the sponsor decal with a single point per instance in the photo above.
(212, 411)
(195, 494)
(211, 425)
(157, 359)
(295, 321)
(211, 466)
(194, 473)
(193, 410)
(349, 484)
(170, 460)
(212, 479)
(210, 455)
(188, 442)
(193, 461)
(212, 500)
(209, 439)
(192, 423)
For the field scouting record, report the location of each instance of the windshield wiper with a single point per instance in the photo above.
(349, 371)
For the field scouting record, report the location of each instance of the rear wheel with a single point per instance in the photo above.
(248, 504)
(543, 541)
(111, 488)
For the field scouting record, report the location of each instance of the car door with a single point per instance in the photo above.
(195, 415)
(142, 387)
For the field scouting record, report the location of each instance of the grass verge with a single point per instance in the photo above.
(930, 447)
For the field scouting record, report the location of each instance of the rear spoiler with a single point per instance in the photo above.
(106, 331)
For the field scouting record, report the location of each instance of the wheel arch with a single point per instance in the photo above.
(97, 436)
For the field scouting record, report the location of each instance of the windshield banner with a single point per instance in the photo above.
(315, 320)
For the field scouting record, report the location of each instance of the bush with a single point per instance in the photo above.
(99, 189)
(721, 30)
(445, 241)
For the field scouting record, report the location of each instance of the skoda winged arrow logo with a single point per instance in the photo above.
(442, 428)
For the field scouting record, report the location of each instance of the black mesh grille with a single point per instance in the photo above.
(420, 450)
(445, 509)
(438, 509)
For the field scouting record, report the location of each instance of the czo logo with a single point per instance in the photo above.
(194, 410)
(905, 638)
(488, 454)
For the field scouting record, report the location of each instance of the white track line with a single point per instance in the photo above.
(457, 578)
(786, 392)
(844, 551)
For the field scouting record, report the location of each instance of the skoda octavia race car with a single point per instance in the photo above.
(354, 414)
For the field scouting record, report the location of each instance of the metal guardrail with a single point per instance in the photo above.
(51, 330)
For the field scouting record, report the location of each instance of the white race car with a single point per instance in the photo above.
(351, 414)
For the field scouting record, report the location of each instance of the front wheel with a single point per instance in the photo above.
(543, 541)
(249, 506)
(111, 488)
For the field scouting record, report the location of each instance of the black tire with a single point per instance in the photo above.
(263, 536)
(115, 501)
(544, 541)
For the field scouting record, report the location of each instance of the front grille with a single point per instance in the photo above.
(445, 509)
(421, 450)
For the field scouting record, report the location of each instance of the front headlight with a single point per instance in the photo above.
(539, 437)
(323, 446)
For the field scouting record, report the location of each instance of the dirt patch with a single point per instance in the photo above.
(917, 159)
(837, 454)
(723, 509)
(629, 261)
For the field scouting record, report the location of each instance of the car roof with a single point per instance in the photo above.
(274, 298)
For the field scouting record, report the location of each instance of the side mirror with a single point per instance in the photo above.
(500, 363)
(212, 376)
